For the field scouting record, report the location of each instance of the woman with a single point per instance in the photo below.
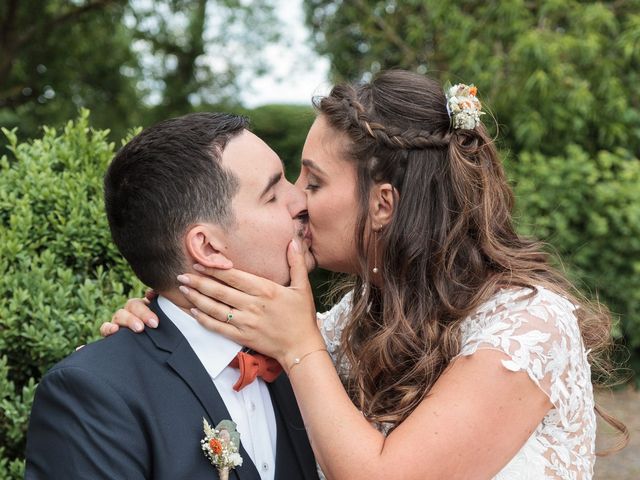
(461, 353)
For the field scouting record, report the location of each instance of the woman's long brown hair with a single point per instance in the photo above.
(449, 247)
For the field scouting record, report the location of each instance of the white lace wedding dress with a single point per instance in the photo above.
(539, 333)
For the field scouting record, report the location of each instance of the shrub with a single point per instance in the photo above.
(588, 209)
(60, 274)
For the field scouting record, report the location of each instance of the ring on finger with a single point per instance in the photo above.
(229, 316)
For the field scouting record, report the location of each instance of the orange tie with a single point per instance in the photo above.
(253, 365)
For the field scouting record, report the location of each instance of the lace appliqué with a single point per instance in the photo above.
(332, 324)
(540, 334)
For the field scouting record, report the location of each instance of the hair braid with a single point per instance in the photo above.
(389, 137)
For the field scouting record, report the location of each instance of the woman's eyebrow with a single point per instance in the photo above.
(312, 165)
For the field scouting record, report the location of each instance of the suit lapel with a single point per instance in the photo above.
(293, 451)
(185, 363)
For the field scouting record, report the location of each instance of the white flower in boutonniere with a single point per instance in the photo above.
(220, 445)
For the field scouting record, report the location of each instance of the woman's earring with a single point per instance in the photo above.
(375, 251)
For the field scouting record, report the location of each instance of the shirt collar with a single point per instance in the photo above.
(214, 351)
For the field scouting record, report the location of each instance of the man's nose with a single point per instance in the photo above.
(298, 202)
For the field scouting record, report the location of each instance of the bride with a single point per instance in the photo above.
(458, 351)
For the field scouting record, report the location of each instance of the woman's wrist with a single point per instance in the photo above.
(298, 355)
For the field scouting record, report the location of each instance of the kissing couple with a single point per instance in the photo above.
(457, 350)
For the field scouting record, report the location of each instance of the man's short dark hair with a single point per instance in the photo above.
(165, 180)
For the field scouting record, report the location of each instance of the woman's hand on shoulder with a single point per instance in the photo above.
(134, 316)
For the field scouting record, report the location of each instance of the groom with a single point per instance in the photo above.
(195, 189)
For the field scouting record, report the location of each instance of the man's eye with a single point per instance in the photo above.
(312, 187)
(272, 199)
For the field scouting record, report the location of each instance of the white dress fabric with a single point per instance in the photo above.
(538, 331)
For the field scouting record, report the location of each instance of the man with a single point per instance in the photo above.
(196, 189)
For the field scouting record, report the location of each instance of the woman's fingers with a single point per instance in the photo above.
(138, 308)
(108, 328)
(212, 307)
(213, 288)
(124, 318)
(242, 281)
(297, 265)
(227, 329)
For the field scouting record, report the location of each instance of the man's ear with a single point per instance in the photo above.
(382, 200)
(205, 245)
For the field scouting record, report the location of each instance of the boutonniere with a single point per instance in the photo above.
(220, 445)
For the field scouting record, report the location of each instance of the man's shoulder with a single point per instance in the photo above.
(111, 354)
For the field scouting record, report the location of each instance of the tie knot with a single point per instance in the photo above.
(252, 366)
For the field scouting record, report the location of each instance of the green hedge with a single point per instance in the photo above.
(588, 209)
(61, 276)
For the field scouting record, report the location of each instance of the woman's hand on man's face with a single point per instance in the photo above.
(255, 312)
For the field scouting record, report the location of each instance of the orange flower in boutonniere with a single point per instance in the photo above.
(220, 445)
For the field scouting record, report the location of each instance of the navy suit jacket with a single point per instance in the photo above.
(130, 407)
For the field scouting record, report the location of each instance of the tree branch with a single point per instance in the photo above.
(389, 33)
(56, 22)
(7, 25)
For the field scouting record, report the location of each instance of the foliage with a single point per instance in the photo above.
(588, 208)
(70, 54)
(60, 274)
(193, 52)
(284, 128)
(550, 71)
(559, 76)
(130, 62)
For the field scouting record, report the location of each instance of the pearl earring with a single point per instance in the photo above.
(375, 251)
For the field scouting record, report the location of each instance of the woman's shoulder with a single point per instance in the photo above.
(528, 297)
(538, 331)
(524, 307)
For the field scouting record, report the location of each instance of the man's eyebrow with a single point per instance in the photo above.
(312, 165)
(273, 179)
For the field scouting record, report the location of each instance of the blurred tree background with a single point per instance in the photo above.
(557, 76)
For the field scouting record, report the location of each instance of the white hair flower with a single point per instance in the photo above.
(463, 106)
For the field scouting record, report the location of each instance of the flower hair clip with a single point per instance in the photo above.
(463, 107)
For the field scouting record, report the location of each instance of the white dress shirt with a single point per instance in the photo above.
(250, 408)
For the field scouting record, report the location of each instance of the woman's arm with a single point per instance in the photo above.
(476, 417)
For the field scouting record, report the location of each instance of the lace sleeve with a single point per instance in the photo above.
(332, 323)
(539, 333)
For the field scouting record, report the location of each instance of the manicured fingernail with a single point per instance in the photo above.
(183, 289)
(197, 266)
(296, 247)
(138, 327)
(194, 312)
(183, 278)
(153, 323)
